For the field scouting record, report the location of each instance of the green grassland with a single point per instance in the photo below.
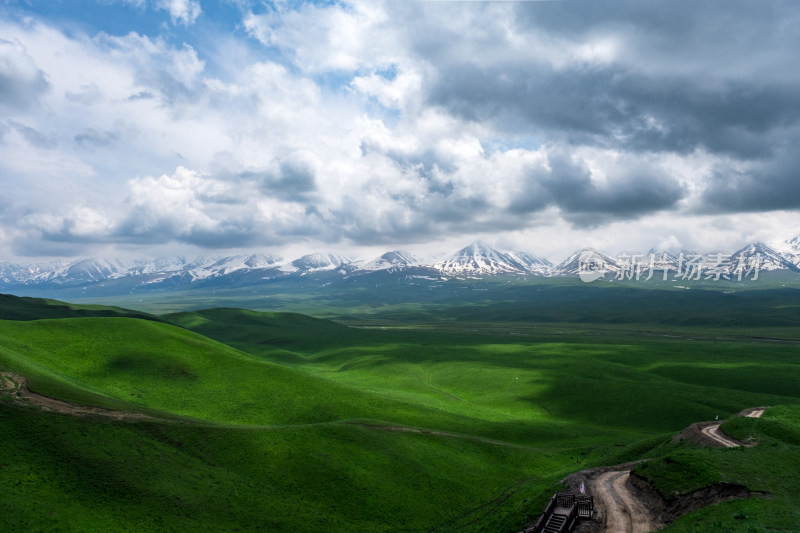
(769, 470)
(461, 422)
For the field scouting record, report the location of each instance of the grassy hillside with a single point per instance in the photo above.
(282, 422)
(769, 470)
(70, 474)
(268, 447)
(601, 378)
(17, 308)
(162, 367)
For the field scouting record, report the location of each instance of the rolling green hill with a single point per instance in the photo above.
(283, 422)
(21, 308)
(768, 470)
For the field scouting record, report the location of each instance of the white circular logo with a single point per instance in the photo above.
(591, 266)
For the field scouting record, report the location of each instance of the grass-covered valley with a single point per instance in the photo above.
(393, 417)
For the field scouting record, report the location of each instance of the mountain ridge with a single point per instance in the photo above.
(476, 260)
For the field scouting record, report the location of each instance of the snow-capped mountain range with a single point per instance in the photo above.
(481, 259)
(478, 260)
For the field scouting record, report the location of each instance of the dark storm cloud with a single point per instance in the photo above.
(632, 193)
(689, 74)
(760, 186)
(294, 178)
(683, 77)
(144, 228)
(636, 190)
(613, 107)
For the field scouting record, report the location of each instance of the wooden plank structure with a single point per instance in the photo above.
(562, 512)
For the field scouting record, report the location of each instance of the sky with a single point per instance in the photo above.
(142, 128)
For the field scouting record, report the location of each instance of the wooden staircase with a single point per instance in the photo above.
(562, 512)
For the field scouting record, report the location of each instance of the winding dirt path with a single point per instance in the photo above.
(621, 512)
(715, 433)
(16, 387)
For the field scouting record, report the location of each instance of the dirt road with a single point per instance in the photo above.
(715, 433)
(16, 387)
(621, 512)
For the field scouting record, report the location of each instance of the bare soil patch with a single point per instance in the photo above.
(667, 510)
(16, 387)
(753, 412)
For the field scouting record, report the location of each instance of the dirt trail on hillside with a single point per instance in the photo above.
(710, 434)
(16, 387)
(621, 512)
(634, 507)
(714, 433)
(754, 412)
(404, 429)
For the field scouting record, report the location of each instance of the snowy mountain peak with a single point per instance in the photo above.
(791, 250)
(200, 269)
(395, 260)
(532, 263)
(761, 255)
(260, 261)
(161, 264)
(319, 261)
(580, 261)
(88, 270)
(479, 259)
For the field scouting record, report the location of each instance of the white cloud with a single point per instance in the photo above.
(182, 11)
(21, 80)
(347, 37)
(373, 122)
(175, 206)
(393, 93)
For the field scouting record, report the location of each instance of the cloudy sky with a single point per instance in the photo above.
(150, 127)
